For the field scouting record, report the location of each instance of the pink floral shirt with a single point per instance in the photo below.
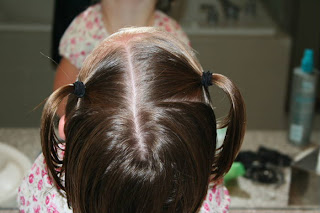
(38, 193)
(87, 31)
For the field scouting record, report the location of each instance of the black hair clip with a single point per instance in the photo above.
(206, 79)
(79, 89)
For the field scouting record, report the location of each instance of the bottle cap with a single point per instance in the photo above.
(307, 61)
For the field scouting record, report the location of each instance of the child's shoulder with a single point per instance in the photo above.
(91, 11)
(162, 19)
(38, 192)
(88, 19)
(84, 33)
(217, 200)
(165, 22)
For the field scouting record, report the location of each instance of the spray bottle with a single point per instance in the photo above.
(303, 94)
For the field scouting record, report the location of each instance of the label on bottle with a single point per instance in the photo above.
(308, 86)
(296, 132)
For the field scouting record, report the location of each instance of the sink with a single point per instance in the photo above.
(305, 181)
(13, 167)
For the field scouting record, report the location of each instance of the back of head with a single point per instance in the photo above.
(143, 137)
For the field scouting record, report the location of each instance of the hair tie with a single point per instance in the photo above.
(79, 89)
(206, 79)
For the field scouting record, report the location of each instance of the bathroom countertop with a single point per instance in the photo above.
(248, 195)
(26, 140)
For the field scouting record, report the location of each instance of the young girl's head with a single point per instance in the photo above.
(140, 133)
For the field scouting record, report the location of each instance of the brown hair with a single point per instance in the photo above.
(143, 138)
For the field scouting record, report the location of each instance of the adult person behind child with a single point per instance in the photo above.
(98, 22)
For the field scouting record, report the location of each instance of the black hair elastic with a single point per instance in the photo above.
(206, 79)
(79, 89)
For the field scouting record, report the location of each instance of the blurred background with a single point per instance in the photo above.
(255, 43)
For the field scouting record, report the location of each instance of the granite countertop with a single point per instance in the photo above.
(246, 195)
(26, 140)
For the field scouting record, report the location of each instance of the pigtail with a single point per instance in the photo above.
(51, 146)
(235, 123)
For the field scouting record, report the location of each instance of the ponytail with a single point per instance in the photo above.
(235, 123)
(49, 140)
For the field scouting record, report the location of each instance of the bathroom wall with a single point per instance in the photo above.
(258, 65)
(31, 11)
(26, 75)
